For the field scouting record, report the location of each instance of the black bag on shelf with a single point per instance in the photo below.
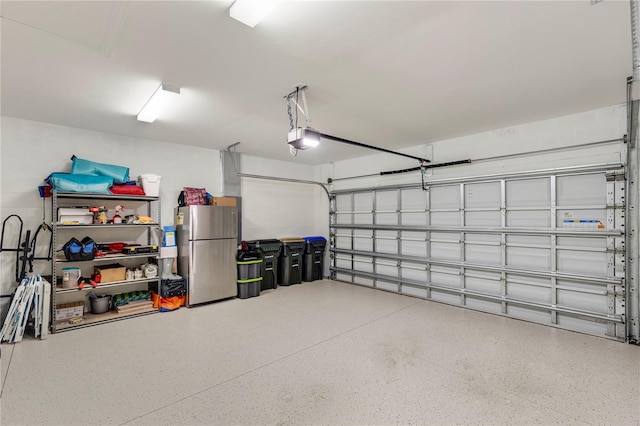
(75, 250)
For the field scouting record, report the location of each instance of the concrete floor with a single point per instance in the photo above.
(321, 353)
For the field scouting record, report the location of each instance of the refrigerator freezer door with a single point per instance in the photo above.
(212, 271)
(208, 222)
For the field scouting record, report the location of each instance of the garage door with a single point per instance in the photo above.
(541, 246)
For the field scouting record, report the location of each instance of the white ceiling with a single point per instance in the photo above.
(392, 74)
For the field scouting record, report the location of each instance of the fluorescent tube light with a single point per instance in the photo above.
(301, 138)
(162, 97)
(251, 12)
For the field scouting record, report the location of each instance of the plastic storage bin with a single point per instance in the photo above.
(270, 251)
(151, 184)
(249, 273)
(290, 263)
(313, 261)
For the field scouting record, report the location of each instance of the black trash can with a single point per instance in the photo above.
(290, 263)
(313, 263)
(270, 250)
(249, 273)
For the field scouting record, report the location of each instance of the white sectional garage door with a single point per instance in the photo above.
(546, 247)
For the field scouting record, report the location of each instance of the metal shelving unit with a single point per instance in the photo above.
(61, 233)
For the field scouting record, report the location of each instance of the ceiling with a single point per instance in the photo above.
(392, 74)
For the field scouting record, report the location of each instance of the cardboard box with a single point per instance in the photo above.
(223, 201)
(67, 311)
(111, 273)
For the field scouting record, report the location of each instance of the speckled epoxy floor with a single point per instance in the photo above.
(321, 353)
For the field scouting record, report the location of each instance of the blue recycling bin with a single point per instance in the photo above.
(313, 262)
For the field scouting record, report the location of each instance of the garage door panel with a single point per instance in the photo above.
(483, 238)
(482, 195)
(414, 199)
(529, 314)
(414, 219)
(584, 301)
(528, 193)
(445, 197)
(582, 262)
(580, 325)
(411, 290)
(386, 246)
(528, 219)
(444, 297)
(343, 203)
(363, 218)
(528, 292)
(384, 285)
(585, 287)
(414, 248)
(386, 219)
(343, 242)
(480, 219)
(444, 219)
(445, 236)
(443, 277)
(363, 281)
(484, 285)
(362, 264)
(363, 201)
(481, 254)
(387, 269)
(445, 251)
(410, 273)
(363, 244)
(529, 240)
(529, 258)
(386, 200)
(483, 305)
(588, 242)
(343, 263)
(583, 214)
(581, 190)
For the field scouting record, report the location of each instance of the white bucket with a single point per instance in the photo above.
(150, 184)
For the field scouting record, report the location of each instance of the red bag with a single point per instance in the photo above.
(127, 190)
(193, 197)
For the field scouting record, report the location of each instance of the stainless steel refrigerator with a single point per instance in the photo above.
(207, 245)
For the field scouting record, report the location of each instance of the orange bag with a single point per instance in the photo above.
(167, 303)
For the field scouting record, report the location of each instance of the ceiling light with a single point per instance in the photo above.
(301, 138)
(251, 12)
(162, 97)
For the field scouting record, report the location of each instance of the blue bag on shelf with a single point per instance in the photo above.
(119, 174)
(65, 182)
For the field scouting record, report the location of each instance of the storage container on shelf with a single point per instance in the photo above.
(151, 184)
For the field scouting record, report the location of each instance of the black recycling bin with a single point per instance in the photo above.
(270, 250)
(290, 263)
(313, 263)
(249, 264)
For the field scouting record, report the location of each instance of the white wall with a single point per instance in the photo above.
(592, 126)
(273, 209)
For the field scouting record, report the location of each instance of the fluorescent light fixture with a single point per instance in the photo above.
(251, 12)
(301, 138)
(163, 96)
